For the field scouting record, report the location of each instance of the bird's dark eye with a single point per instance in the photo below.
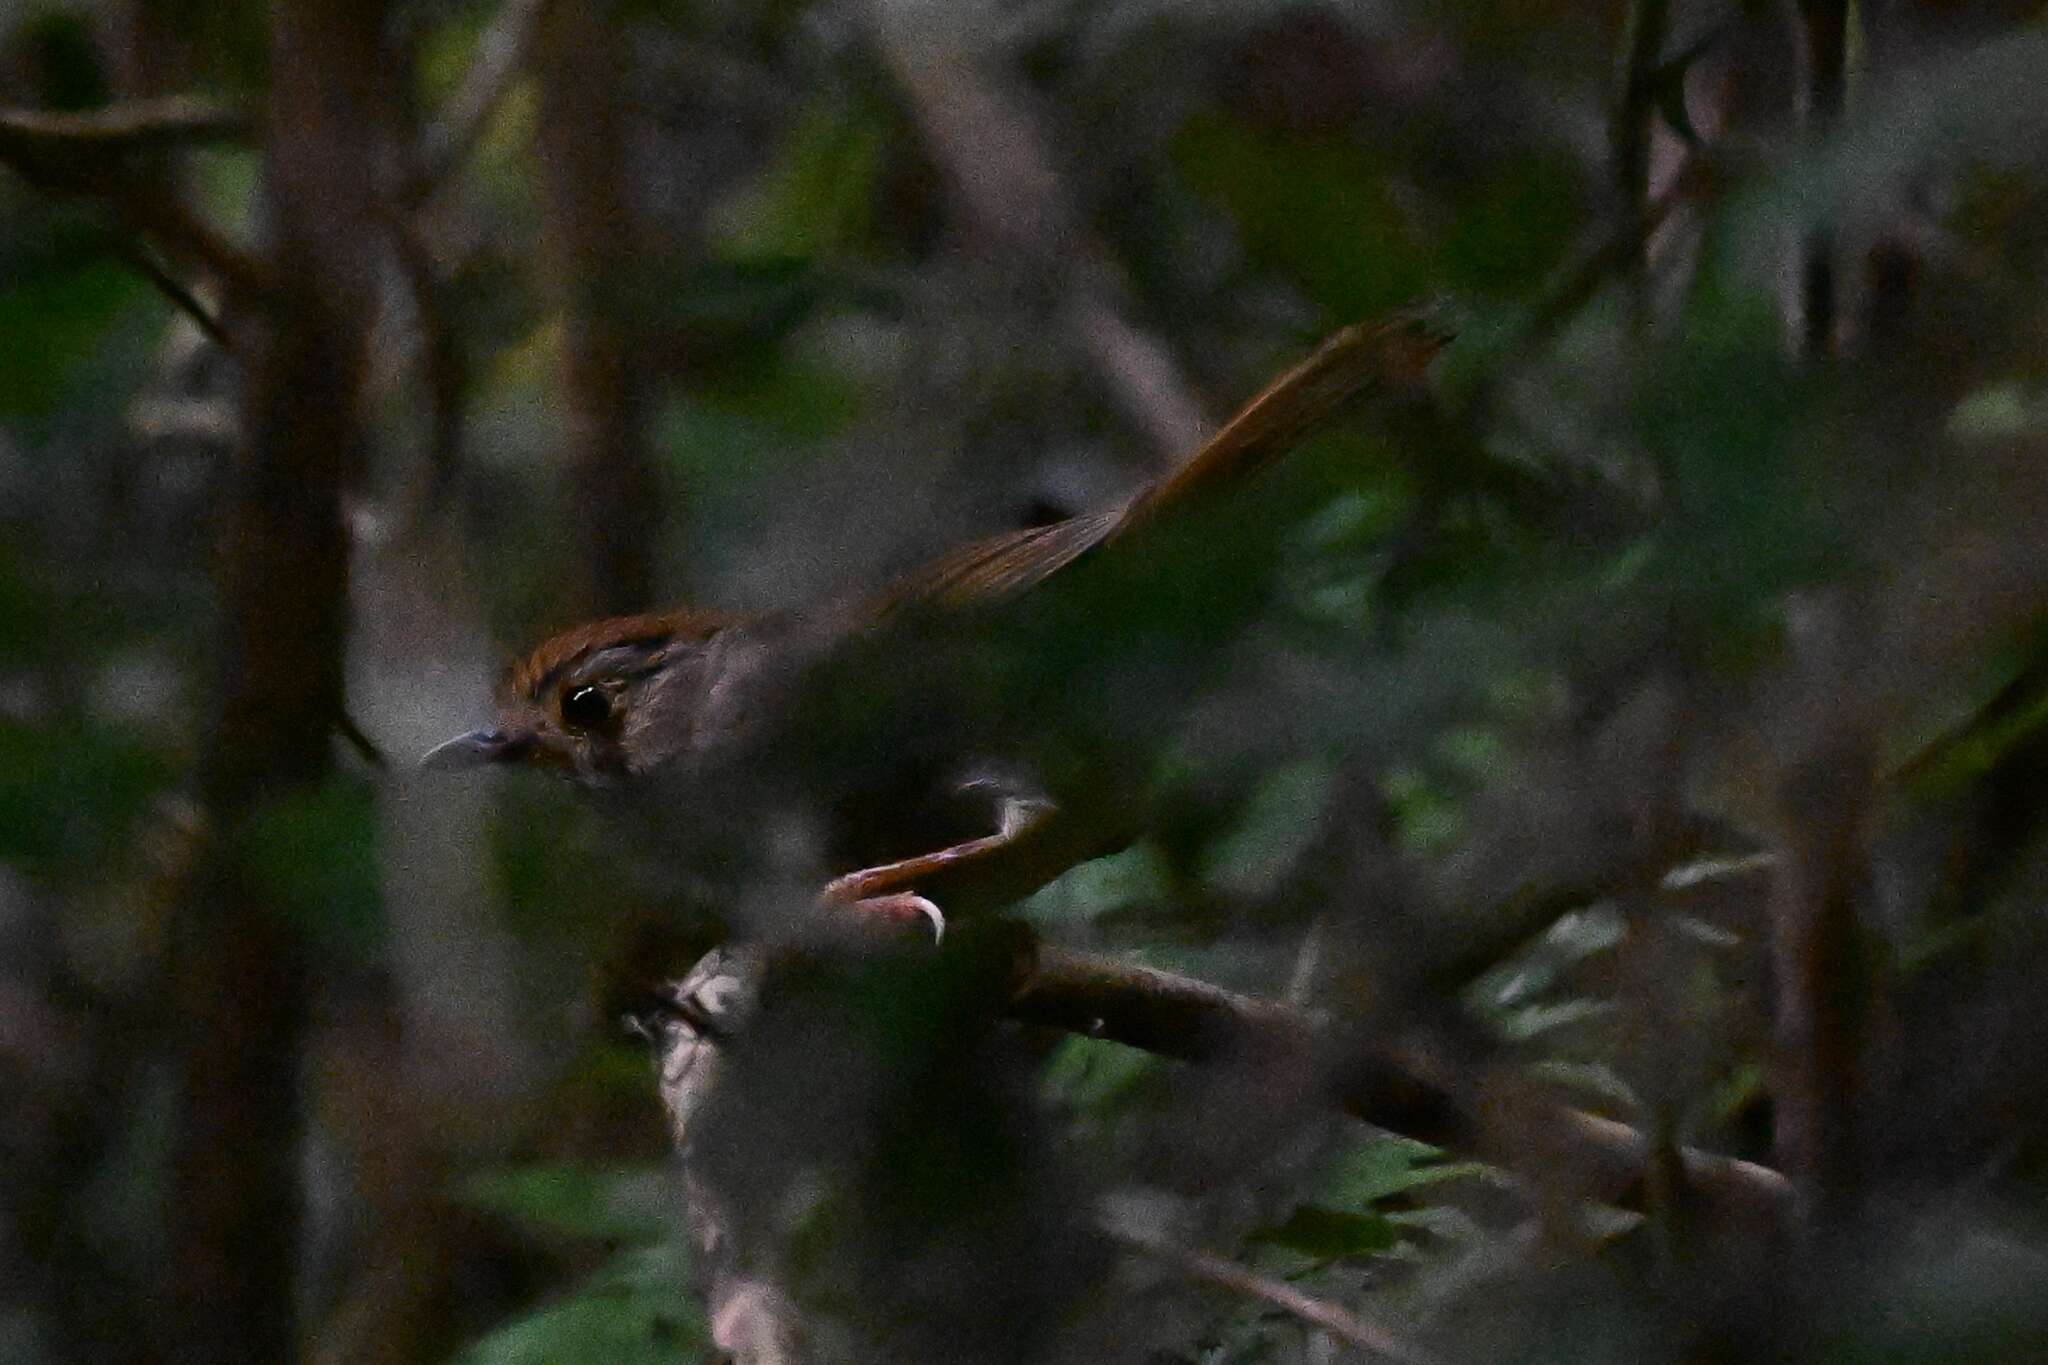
(586, 708)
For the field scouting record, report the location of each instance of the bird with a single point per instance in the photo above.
(657, 708)
(770, 1056)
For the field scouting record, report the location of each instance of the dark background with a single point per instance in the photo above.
(1655, 724)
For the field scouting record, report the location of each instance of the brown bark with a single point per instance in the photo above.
(1824, 975)
(611, 489)
(1177, 1016)
(1631, 133)
(1826, 31)
(240, 983)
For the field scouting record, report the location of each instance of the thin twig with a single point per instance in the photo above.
(1579, 281)
(1633, 121)
(1210, 1268)
(1703, 177)
(181, 232)
(1826, 31)
(442, 370)
(135, 125)
(617, 495)
(365, 747)
(172, 288)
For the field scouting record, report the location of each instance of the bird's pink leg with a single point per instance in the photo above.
(883, 888)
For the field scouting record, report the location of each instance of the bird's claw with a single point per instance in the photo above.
(906, 907)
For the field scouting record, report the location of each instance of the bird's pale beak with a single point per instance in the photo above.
(473, 750)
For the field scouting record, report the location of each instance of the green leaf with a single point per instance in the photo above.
(1135, 876)
(62, 47)
(1995, 412)
(1282, 820)
(1513, 229)
(54, 321)
(634, 1311)
(786, 401)
(817, 199)
(1386, 1165)
(312, 854)
(623, 1204)
(732, 308)
(1529, 1021)
(1424, 813)
(1094, 1074)
(549, 858)
(70, 795)
(1325, 1234)
(1574, 937)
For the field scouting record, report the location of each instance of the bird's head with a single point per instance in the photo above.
(601, 703)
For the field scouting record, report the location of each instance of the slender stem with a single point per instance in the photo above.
(133, 125)
(1826, 26)
(1634, 121)
(613, 493)
(172, 288)
(1824, 971)
(980, 128)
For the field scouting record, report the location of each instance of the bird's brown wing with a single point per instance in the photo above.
(1357, 364)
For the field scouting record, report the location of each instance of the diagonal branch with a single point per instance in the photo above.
(1178, 1016)
(501, 55)
(979, 128)
(1210, 1268)
(174, 289)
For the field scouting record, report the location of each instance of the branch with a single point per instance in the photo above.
(501, 54)
(614, 493)
(1825, 27)
(116, 129)
(1339, 1322)
(237, 1018)
(1825, 959)
(441, 366)
(174, 289)
(94, 154)
(1177, 1016)
(979, 129)
(1630, 136)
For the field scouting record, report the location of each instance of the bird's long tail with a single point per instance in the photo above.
(1360, 363)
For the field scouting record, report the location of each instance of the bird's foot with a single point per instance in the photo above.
(1016, 819)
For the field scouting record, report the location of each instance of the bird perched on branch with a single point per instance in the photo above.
(670, 709)
(776, 1067)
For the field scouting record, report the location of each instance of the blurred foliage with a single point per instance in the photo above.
(1364, 713)
(634, 1309)
(614, 1204)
